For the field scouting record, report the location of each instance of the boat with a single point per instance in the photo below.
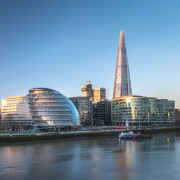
(136, 137)
(126, 135)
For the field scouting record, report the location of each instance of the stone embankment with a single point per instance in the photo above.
(27, 137)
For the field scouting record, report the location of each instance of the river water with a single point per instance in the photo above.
(97, 158)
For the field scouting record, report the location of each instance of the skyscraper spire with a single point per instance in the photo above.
(122, 82)
(122, 39)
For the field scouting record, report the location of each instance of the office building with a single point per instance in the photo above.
(122, 82)
(87, 91)
(142, 111)
(51, 109)
(103, 111)
(16, 114)
(83, 106)
(99, 94)
(94, 95)
(162, 110)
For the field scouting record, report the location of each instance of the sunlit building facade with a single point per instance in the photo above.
(99, 94)
(50, 108)
(94, 95)
(87, 91)
(16, 114)
(122, 82)
(139, 110)
(42, 108)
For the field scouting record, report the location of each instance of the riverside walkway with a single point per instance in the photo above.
(62, 132)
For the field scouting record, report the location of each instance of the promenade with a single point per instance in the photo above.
(12, 137)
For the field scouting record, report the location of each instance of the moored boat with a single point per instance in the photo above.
(135, 137)
(126, 135)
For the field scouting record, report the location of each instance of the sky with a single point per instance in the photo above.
(61, 44)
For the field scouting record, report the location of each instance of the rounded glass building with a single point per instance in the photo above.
(50, 108)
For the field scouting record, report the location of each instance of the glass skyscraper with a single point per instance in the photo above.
(122, 82)
(136, 110)
(83, 105)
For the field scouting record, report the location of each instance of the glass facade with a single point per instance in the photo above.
(50, 108)
(122, 83)
(102, 113)
(15, 113)
(162, 110)
(83, 105)
(142, 110)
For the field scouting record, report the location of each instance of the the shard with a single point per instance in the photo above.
(122, 82)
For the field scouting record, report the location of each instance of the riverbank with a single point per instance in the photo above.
(12, 138)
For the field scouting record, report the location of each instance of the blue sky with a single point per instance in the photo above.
(60, 44)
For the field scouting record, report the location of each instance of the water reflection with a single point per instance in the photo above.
(98, 158)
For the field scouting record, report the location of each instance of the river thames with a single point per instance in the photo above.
(97, 158)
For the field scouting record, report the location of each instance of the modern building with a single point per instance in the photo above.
(16, 114)
(103, 111)
(83, 106)
(122, 82)
(140, 111)
(162, 110)
(87, 91)
(42, 108)
(51, 109)
(94, 95)
(99, 94)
